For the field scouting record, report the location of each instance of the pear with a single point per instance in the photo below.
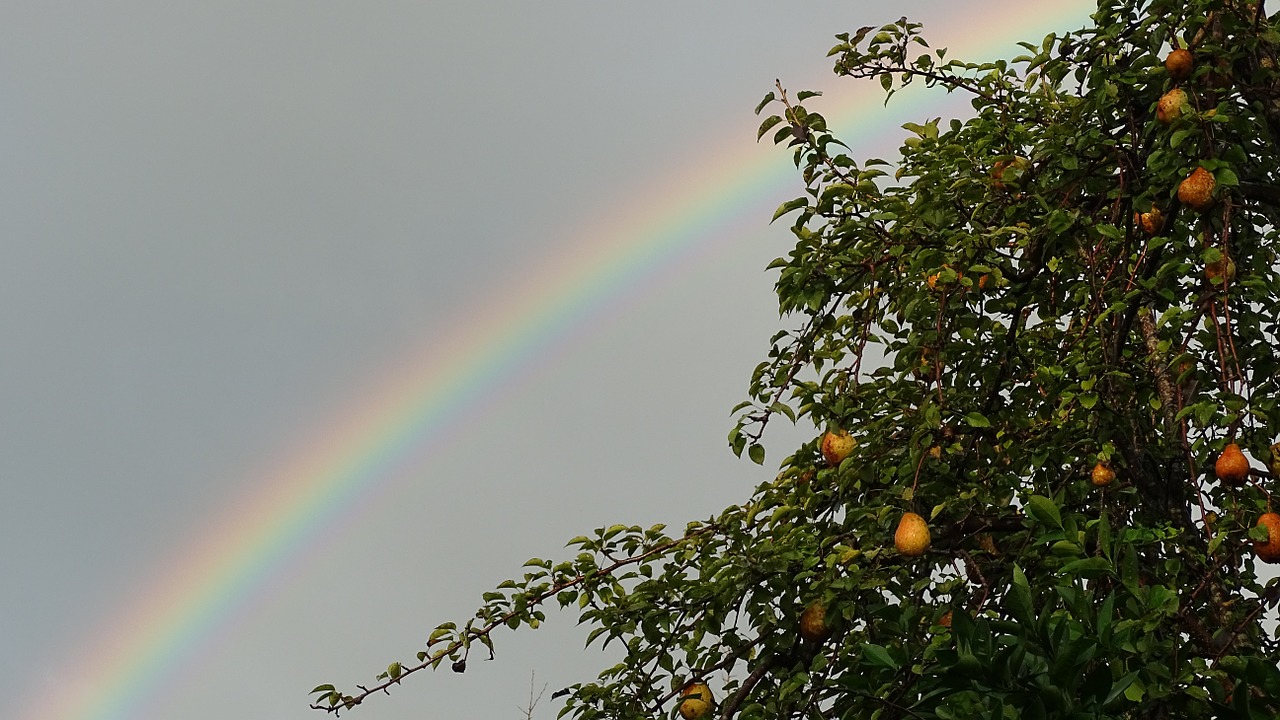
(1005, 172)
(1269, 551)
(1102, 475)
(836, 446)
(1220, 272)
(912, 537)
(1150, 222)
(1196, 191)
(1169, 108)
(813, 623)
(695, 701)
(936, 282)
(1232, 466)
(1179, 63)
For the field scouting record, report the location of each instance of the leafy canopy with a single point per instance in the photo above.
(1041, 340)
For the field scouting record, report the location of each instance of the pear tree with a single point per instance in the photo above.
(1037, 352)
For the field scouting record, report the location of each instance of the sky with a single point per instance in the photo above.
(320, 318)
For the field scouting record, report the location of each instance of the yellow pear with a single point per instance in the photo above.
(836, 446)
(1102, 475)
(912, 537)
(1005, 172)
(1169, 108)
(1232, 467)
(1196, 191)
(1269, 551)
(813, 623)
(1222, 271)
(695, 701)
(1179, 63)
(1150, 222)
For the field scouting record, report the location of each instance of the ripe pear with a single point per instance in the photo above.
(695, 701)
(936, 282)
(836, 446)
(1269, 551)
(1179, 63)
(1196, 191)
(1005, 172)
(1169, 108)
(1222, 271)
(1102, 475)
(1232, 467)
(813, 623)
(912, 537)
(1149, 222)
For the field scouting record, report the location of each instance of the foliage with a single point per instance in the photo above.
(990, 320)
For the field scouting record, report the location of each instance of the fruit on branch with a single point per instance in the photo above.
(1232, 467)
(1179, 64)
(813, 623)
(695, 701)
(1149, 222)
(1102, 475)
(1196, 190)
(836, 446)
(1220, 271)
(1269, 551)
(1169, 108)
(1005, 172)
(945, 620)
(936, 282)
(912, 537)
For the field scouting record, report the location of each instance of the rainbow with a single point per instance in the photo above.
(231, 562)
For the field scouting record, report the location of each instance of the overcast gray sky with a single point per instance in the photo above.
(227, 225)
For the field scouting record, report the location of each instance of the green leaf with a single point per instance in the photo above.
(1044, 511)
(1020, 604)
(790, 205)
(1104, 535)
(977, 419)
(1066, 548)
(756, 453)
(767, 125)
(1088, 567)
(877, 655)
(1135, 690)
